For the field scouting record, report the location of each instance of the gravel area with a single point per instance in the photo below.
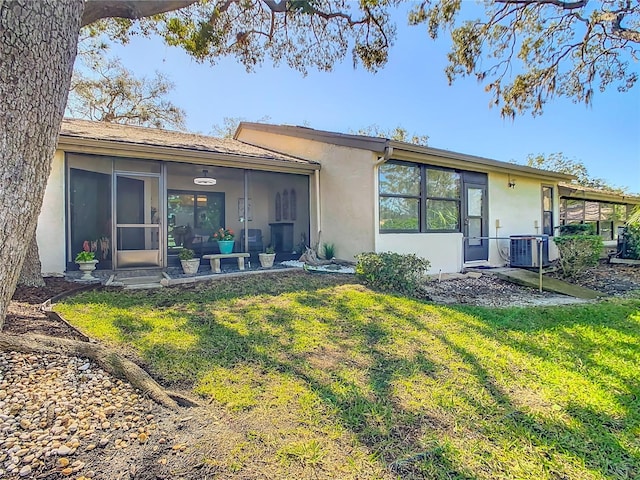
(489, 291)
(54, 407)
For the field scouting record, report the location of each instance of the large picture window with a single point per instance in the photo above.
(418, 198)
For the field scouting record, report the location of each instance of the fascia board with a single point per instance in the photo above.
(181, 155)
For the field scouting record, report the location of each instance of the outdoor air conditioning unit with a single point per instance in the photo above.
(525, 250)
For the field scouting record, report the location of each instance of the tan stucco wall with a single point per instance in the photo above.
(518, 210)
(349, 203)
(50, 232)
(346, 190)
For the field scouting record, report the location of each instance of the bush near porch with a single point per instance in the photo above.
(329, 379)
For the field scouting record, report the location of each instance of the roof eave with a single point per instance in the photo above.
(579, 193)
(180, 154)
(407, 151)
(374, 144)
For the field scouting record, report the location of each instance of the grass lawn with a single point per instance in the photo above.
(329, 379)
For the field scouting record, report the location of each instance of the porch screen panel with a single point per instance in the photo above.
(90, 213)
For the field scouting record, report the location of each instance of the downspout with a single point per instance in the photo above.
(388, 151)
(245, 224)
(316, 175)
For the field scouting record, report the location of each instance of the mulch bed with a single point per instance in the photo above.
(611, 278)
(25, 314)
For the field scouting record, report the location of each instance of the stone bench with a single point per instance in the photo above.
(215, 260)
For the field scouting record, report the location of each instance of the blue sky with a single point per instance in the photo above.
(412, 92)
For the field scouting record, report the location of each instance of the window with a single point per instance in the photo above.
(443, 200)
(418, 198)
(547, 210)
(399, 197)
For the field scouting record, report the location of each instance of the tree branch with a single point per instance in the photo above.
(624, 33)
(132, 9)
(557, 3)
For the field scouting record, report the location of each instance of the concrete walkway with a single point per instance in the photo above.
(531, 279)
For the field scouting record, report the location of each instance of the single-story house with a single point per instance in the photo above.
(138, 196)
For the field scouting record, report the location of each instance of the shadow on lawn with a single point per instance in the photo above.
(600, 350)
(366, 358)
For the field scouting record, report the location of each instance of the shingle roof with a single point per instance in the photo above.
(84, 129)
(580, 191)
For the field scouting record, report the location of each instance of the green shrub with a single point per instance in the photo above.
(577, 229)
(632, 240)
(329, 250)
(186, 254)
(390, 271)
(578, 253)
(85, 256)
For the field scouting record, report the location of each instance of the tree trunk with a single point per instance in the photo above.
(31, 273)
(106, 358)
(38, 41)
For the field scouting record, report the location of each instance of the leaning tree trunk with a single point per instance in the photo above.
(31, 272)
(38, 41)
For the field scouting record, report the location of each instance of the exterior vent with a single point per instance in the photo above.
(525, 251)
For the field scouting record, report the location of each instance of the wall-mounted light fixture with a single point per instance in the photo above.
(512, 182)
(204, 179)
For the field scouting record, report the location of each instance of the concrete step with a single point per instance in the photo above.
(136, 283)
(531, 279)
(141, 286)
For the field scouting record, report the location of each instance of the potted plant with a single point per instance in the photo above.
(86, 261)
(225, 238)
(267, 258)
(190, 264)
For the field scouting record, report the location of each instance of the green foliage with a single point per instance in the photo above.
(558, 162)
(556, 48)
(270, 250)
(577, 229)
(634, 218)
(230, 124)
(85, 256)
(186, 254)
(631, 237)
(578, 253)
(389, 271)
(329, 250)
(398, 133)
(108, 92)
(300, 34)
